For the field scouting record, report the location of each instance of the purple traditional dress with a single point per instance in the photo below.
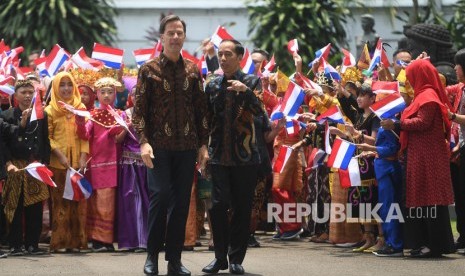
(133, 199)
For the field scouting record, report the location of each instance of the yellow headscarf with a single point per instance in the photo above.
(75, 101)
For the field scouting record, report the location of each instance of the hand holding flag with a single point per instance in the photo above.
(70, 108)
(293, 46)
(77, 187)
(120, 120)
(40, 172)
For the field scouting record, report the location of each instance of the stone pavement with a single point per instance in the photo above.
(273, 258)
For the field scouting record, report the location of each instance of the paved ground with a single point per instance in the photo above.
(273, 258)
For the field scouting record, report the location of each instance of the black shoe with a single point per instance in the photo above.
(99, 247)
(187, 248)
(215, 266)
(151, 265)
(236, 269)
(18, 251)
(252, 242)
(176, 268)
(110, 247)
(388, 251)
(460, 247)
(34, 250)
(3, 254)
(423, 252)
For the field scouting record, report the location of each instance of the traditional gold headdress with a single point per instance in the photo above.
(107, 82)
(89, 77)
(352, 74)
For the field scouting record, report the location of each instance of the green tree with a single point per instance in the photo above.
(39, 24)
(314, 23)
(456, 25)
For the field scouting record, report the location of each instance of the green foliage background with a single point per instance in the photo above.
(40, 24)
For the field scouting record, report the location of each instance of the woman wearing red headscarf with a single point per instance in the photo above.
(425, 129)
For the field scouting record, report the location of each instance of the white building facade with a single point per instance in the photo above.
(203, 17)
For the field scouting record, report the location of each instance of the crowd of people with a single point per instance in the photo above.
(200, 148)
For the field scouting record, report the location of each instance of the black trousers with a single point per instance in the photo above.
(170, 184)
(233, 189)
(33, 227)
(458, 182)
(2, 224)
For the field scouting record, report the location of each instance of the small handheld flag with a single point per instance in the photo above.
(40, 172)
(341, 154)
(77, 187)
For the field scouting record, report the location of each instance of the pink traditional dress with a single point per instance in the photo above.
(101, 132)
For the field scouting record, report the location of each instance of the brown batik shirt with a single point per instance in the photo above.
(170, 110)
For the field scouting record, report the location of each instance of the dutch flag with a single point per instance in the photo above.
(294, 126)
(379, 56)
(292, 100)
(322, 53)
(389, 106)
(315, 159)
(247, 64)
(142, 55)
(283, 156)
(341, 154)
(202, 65)
(111, 57)
(55, 60)
(77, 187)
(333, 114)
(330, 72)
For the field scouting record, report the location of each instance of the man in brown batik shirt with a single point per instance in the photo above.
(171, 120)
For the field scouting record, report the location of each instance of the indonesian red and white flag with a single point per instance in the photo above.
(315, 159)
(70, 108)
(40, 172)
(293, 46)
(348, 60)
(351, 176)
(308, 83)
(119, 120)
(185, 54)
(5, 87)
(388, 87)
(83, 61)
(219, 35)
(37, 108)
(269, 67)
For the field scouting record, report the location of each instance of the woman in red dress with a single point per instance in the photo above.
(425, 128)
